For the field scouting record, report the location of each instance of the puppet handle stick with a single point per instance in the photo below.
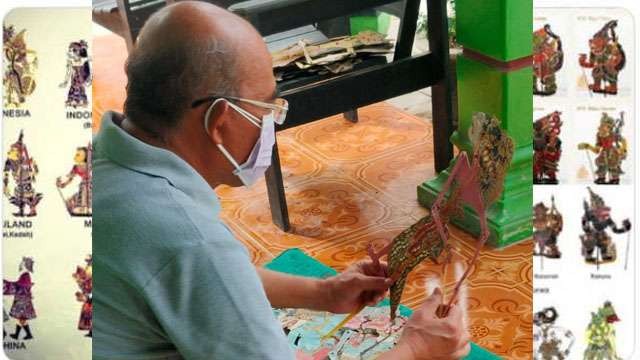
(342, 323)
(626, 255)
(593, 172)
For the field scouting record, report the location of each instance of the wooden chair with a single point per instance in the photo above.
(314, 100)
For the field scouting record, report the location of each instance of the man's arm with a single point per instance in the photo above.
(361, 284)
(288, 291)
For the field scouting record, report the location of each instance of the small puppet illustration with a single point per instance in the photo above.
(547, 60)
(611, 150)
(601, 334)
(595, 221)
(547, 225)
(78, 75)
(550, 341)
(22, 309)
(19, 69)
(83, 277)
(547, 148)
(606, 59)
(79, 204)
(23, 169)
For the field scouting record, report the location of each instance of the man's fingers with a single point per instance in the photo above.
(462, 352)
(375, 283)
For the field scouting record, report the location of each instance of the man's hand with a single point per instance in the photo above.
(362, 284)
(425, 336)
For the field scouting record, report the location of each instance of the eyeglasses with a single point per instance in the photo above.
(278, 107)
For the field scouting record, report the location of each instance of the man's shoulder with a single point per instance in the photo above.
(142, 219)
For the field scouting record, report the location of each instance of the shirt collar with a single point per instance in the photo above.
(122, 148)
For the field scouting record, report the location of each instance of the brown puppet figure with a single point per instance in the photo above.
(23, 170)
(477, 184)
(83, 277)
(610, 148)
(22, 309)
(547, 148)
(547, 225)
(547, 60)
(606, 59)
(20, 64)
(597, 245)
(79, 204)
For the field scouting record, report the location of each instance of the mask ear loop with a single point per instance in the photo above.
(222, 149)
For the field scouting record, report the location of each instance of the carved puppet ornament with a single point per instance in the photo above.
(547, 225)
(550, 342)
(22, 309)
(19, 69)
(548, 57)
(610, 148)
(79, 204)
(547, 148)
(606, 59)
(601, 334)
(20, 167)
(78, 74)
(597, 245)
(84, 279)
(477, 184)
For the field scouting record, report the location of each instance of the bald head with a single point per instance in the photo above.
(187, 51)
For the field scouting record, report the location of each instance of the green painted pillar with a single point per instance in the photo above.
(494, 75)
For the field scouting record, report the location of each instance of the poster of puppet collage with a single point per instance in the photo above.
(584, 186)
(46, 201)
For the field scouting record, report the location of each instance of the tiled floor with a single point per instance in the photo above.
(352, 184)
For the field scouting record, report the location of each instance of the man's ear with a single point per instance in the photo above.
(217, 120)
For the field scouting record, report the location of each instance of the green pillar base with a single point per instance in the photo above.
(509, 218)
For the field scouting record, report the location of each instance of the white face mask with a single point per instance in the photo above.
(260, 157)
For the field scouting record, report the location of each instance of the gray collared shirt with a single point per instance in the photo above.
(170, 280)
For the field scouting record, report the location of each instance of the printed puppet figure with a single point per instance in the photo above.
(595, 221)
(606, 59)
(22, 309)
(547, 225)
(547, 60)
(611, 149)
(83, 277)
(79, 204)
(478, 184)
(23, 170)
(19, 69)
(78, 75)
(550, 342)
(547, 148)
(601, 334)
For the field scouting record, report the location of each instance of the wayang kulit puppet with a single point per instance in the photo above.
(597, 245)
(20, 64)
(21, 167)
(550, 341)
(22, 308)
(84, 278)
(79, 204)
(548, 57)
(477, 184)
(547, 148)
(606, 59)
(547, 225)
(610, 148)
(601, 334)
(78, 75)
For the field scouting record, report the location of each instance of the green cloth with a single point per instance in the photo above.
(296, 262)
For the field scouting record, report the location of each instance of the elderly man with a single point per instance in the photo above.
(171, 282)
